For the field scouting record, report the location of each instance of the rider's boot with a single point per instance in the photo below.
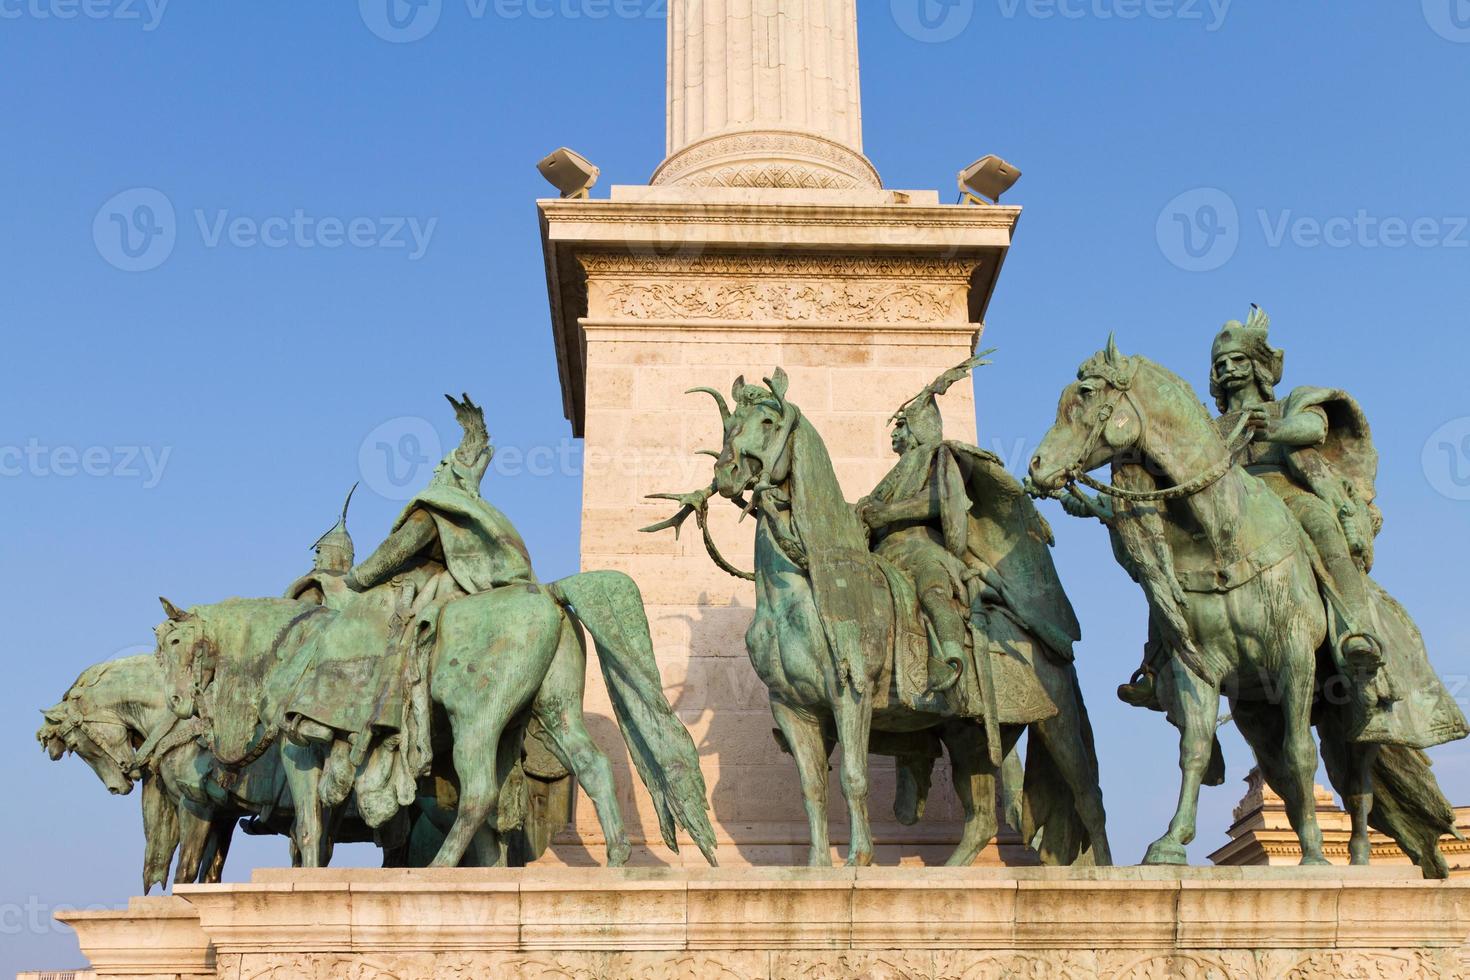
(1361, 649)
(1140, 690)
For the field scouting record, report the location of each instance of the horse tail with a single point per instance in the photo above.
(610, 606)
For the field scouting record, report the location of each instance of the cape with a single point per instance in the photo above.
(482, 549)
(1343, 470)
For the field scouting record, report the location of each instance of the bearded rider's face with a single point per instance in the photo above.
(1233, 371)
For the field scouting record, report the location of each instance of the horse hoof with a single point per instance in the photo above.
(1166, 852)
(1361, 854)
(1317, 862)
(860, 859)
(617, 857)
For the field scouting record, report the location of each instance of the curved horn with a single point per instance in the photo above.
(719, 400)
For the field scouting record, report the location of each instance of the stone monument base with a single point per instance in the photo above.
(973, 923)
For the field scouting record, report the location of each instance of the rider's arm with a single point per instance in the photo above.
(413, 536)
(923, 508)
(1308, 428)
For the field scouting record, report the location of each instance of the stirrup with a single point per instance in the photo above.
(957, 666)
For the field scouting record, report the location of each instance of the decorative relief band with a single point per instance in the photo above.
(833, 301)
(768, 159)
(621, 264)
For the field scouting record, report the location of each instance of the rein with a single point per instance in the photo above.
(84, 725)
(1075, 474)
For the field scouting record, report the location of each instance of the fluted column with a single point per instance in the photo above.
(764, 93)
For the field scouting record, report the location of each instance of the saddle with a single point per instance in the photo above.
(1010, 655)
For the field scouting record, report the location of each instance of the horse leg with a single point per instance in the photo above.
(808, 745)
(854, 713)
(476, 740)
(974, 782)
(1360, 801)
(559, 709)
(1300, 753)
(1196, 703)
(195, 824)
(303, 764)
(488, 848)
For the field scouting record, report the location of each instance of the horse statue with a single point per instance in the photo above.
(832, 622)
(499, 659)
(1232, 584)
(114, 711)
(116, 718)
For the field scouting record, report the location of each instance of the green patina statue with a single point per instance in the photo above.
(431, 696)
(956, 628)
(1252, 536)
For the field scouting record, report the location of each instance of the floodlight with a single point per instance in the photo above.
(569, 172)
(989, 178)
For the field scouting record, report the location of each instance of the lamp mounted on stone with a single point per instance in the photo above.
(570, 173)
(988, 177)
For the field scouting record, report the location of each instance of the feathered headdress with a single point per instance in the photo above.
(921, 412)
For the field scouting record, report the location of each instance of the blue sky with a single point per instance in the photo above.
(190, 429)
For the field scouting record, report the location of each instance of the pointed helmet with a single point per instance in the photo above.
(334, 550)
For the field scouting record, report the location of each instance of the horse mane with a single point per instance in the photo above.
(819, 507)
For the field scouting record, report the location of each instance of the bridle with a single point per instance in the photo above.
(78, 722)
(1122, 385)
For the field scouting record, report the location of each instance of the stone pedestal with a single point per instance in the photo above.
(1262, 834)
(937, 924)
(864, 297)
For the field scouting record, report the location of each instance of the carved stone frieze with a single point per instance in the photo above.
(812, 289)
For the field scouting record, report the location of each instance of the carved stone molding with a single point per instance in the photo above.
(768, 159)
(793, 289)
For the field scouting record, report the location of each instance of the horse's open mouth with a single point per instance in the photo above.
(735, 479)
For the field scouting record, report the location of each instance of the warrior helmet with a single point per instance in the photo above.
(1251, 338)
(334, 551)
(921, 413)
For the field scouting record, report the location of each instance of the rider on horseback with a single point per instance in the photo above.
(1314, 451)
(950, 516)
(447, 543)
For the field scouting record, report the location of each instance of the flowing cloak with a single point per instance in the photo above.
(1343, 470)
(482, 549)
(986, 515)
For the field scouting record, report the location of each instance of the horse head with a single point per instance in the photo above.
(1121, 407)
(89, 722)
(186, 657)
(758, 432)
